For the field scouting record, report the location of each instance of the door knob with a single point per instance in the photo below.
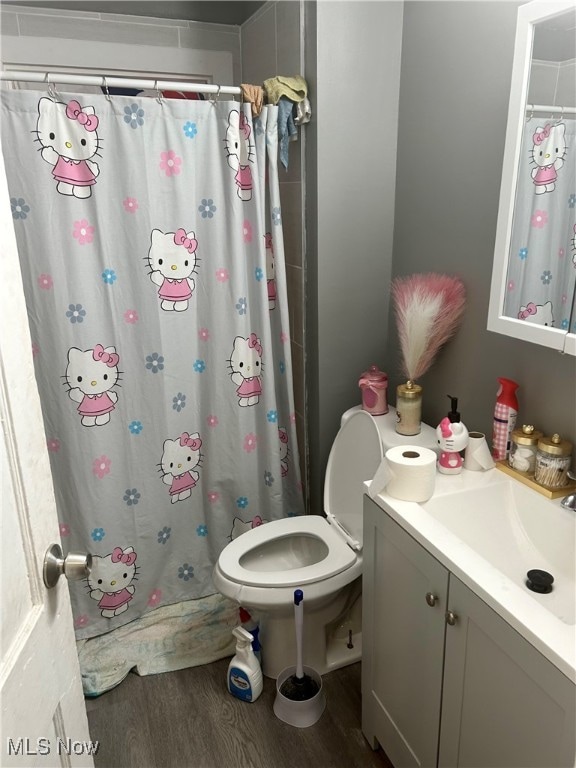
(75, 566)
(451, 618)
(431, 599)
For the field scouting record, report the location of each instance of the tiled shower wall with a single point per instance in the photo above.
(271, 43)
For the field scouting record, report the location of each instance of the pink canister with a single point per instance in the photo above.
(374, 384)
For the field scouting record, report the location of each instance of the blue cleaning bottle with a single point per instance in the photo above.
(244, 673)
(251, 626)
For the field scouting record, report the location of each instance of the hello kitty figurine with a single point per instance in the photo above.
(452, 438)
(110, 581)
(538, 314)
(283, 435)
(91, 374)
(548, 152)
(179, 459)
(270, 271)
(240, 151)
(67, 133)
(246, 364)
(172, 259)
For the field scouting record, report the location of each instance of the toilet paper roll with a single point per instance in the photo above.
(407, 472)
(477, 456)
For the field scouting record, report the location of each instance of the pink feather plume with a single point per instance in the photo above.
(428, 310)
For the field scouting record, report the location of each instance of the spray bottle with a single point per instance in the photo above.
(505, 412)
(244, 673)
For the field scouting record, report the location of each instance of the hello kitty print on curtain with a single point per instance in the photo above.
(542, 260)
(150, 237)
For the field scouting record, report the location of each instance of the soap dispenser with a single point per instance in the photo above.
(452, 438)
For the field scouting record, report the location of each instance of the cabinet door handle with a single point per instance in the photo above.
(431, 599)
(451, 618)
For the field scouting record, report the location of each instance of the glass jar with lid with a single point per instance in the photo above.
(523, 449)
(408, 408)
(553, 459)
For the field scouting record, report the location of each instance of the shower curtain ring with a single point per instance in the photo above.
(51, 89)
(217, 96)
(105, 89)
(159, 95)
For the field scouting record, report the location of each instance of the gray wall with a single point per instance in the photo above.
(353, 69)
(454, 90)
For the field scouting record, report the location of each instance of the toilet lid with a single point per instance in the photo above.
(245, 560)
(355, 456)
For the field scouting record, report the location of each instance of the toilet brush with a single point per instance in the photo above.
(299, 687)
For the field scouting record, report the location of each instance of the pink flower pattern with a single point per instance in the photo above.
(53, 445)
(81, 621)
(64, 529)
(155, 598)
(130, 205)
(131, 316)
(539, 219)
(170, 163)
(45, 282)
(83, 232)
(35, 349)
(222, 275)
(101, 466)
(212, 421)
(213, 496)
(203, 334)
(250, 442)
(247, 231)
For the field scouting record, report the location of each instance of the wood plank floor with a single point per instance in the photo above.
(187, 719)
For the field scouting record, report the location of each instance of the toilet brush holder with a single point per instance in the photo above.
(301, 714)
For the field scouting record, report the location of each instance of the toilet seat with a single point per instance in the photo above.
(338, 555)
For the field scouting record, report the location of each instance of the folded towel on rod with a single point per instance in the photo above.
(294, 88)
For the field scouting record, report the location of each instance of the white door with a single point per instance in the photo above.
(43, 718)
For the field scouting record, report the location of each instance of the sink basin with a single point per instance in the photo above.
(515, 529)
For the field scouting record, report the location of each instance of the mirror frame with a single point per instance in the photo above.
(553, 338)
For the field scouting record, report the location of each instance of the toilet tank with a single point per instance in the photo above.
(354, 458)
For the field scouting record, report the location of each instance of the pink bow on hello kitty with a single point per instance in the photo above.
(191, 442)
(245, 126)
(180, 238)
(123, 556)
(529, 309)
(539, 136)
(445, 427)
(254, 343)
(74, 112)
(110, 358)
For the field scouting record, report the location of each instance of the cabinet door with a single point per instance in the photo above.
(403, 642)
(504, 704)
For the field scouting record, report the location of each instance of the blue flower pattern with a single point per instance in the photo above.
(190, 129)
(76, 313)
(109, 276)
(19, 208)
(154, 362)
(207, 208)
(135, 427)
(134, 116)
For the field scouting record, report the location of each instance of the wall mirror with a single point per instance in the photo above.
(533, 290)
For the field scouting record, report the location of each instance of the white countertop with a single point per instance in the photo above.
(522, 609)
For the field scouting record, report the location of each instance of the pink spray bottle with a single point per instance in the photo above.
(505, 412)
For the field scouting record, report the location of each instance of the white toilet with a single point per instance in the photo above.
(321, 555)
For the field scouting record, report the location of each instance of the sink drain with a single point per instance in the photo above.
(539, 581)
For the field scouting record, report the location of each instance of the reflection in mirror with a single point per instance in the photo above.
(541, 274)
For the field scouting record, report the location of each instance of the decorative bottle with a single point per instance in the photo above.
(505, 412)
(373, 383)
(408, 408)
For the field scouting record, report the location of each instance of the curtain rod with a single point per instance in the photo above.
(544, 108)
(102, 81)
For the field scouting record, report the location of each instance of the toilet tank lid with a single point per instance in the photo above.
(354, 458)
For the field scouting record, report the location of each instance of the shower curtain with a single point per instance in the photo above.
(542, 260)
(150, 239)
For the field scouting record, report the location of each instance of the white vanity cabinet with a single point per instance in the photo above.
(445, 680)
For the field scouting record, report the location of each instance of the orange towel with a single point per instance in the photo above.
(254, 95)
